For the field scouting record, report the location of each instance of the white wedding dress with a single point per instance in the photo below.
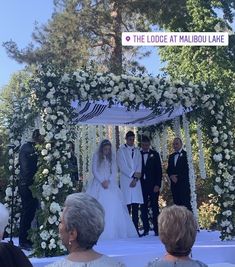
(118, 223)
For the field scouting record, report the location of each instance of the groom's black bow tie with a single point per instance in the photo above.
(145, 152)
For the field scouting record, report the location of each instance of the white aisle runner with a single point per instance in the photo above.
(137, 252)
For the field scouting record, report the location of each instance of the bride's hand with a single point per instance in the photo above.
(105, 184)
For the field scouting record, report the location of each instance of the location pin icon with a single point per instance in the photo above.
(128, 38)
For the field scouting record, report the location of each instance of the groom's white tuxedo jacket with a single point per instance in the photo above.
(127, 166)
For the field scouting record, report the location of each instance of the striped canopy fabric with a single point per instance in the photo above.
(99, 113)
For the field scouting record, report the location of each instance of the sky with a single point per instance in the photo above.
(17, 21)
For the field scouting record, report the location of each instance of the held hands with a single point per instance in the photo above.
(105, 184)
(137, 175)
(174, 178)
(133, 183)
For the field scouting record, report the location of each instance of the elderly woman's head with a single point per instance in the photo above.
(177, 230)
(82, 221)
(4, 216)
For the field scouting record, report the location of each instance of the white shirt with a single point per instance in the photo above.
(177, 156)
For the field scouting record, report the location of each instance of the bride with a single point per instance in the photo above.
(104, 188)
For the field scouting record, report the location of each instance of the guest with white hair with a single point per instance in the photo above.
(82, 223)
(4, 216)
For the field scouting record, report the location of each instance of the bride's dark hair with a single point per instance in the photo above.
(104, 143)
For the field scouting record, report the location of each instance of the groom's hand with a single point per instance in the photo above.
(137, 175)
(133, 183)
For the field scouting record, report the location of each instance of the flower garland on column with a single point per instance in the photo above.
(202, 167)
(84, 152)
(157, 142)
(192, 178)
(19, 110)
(177, 127)
(53, 177)
(114, 139)
(224, 162)
(164, 143)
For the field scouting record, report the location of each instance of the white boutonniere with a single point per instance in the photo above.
(181, 154)
(151, 155)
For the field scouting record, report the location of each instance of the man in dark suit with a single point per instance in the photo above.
(178, 172)
(151, 178)
(28, 159)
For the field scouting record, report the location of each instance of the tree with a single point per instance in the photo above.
(82, 31)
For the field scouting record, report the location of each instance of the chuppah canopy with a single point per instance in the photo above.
(100, 113)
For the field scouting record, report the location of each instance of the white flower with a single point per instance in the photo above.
(55, 190)
(10, 152)
(48, 146)
(217, 179)
(55, 207)
(8, 191)
(111, 83)
(49, 126)
(52, 219)
(43, 245)
(60, 122)
(46, 191)
(93, 84)
(45, 172)
(49, 84)
(48, 110)
(44, 152)
(45, 235)
(56, 154)
(217, 157)
(218, 189)
(53, 101)
(215, 140)
(42, 131)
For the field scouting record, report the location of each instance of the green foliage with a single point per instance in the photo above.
(208, 212)
(4, 172)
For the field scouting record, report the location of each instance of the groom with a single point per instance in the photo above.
(151, 178)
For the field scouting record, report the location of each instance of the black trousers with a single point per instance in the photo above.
(181, 195)
(133, 211)
(29, 206)
(150, 196)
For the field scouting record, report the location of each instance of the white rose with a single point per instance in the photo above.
(49, 84)
(55, 207)
(43, 245)
(217, 157)
(48, 146)
(42, 131)
(52, 219)
(45, 172)
(44, 235)
(44, 152)
(53, 101)
(49, 126)
(215, 140)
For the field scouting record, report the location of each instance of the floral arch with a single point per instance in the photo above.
(50, 97)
